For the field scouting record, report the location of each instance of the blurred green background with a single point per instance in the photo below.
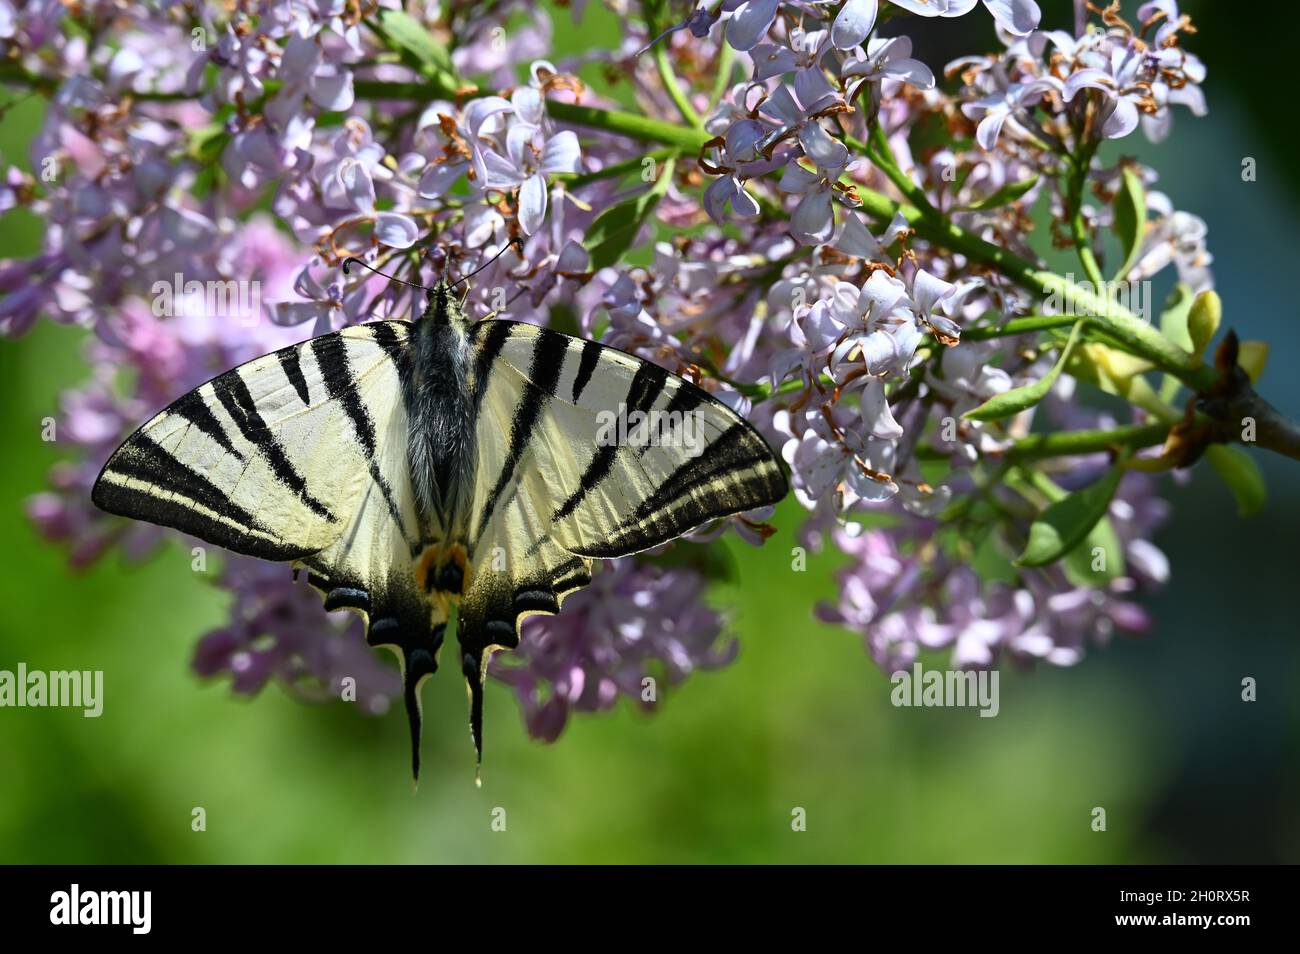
(1152, 729)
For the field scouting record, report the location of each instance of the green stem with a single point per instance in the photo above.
(1131, 332)
(882, 157)
(1074, 443)
(668, 76)
(1019, 326)
(1078, 228)
(640, 128)
(726, 59)
(635, 164)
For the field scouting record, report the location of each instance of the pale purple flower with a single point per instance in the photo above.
(1017, 17)
(279, 630)
(1175, 237)
(1137, 81)
(633, 632)
(306, 74)
(813, 219)
(763, 285)
(804, 51)
(834, 461)
(444, 171)
(727, 191)
(750, 23)
(1000, 107)
(889, 59)
(531, 154)
(852, 24)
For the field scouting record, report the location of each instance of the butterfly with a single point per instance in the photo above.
(416, 469)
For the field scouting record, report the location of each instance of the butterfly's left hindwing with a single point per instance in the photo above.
(557, 485)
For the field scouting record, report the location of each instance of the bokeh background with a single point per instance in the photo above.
(1151, 729)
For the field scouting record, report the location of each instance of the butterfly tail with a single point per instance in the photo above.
(477, 643)
(472, 666)
(417, 667)
(419, 659)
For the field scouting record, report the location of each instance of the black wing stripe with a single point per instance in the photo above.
(193, 408)
(586, 365)
(145, 460)
(176, 513)
(393, 511)
(232, 391)
(291, 362)
(574, 582)
(686, 401)
(332, 356)
(386, 336)
(730, 453)
(494, 339)
(738, 475)
(548, 359)
(647, 384)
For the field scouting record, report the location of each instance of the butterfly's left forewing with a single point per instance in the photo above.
(558, 482)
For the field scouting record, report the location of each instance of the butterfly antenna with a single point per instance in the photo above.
(357, 261)
(513, 243)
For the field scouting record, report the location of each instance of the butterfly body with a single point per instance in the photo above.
(438, 392)
(418, 469)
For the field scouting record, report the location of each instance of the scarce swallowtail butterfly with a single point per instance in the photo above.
(413, 467)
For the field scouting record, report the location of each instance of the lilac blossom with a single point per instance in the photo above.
(1017, 17)
(634, 632)
(529, 157)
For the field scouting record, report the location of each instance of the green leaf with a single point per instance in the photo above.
(1173, 320)
(407, 35)
(1251, 358)
(991, 564)
(1007, 194)
(1067, 522)
(1130, 218)
(1173, 325)
(1238, 470)
(615, 229)
(208, 142)
(1081, 564)
(1010, 403)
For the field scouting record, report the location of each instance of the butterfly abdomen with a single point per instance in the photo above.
(440, 412)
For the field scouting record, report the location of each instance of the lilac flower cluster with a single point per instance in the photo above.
(785, 274)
